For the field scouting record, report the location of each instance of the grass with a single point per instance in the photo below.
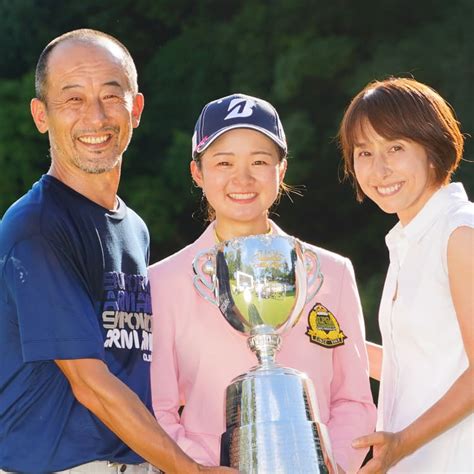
(274, 311)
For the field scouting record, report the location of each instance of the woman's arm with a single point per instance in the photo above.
(375, 353)
(458, 401)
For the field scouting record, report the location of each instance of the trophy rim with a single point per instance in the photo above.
(243, 238)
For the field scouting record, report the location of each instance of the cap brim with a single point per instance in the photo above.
(214, 136)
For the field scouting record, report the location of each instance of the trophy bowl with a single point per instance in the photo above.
(261, 284)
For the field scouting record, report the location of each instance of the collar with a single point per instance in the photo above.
(208, 237)
(438, 204)
(117, 214)
(217, 239)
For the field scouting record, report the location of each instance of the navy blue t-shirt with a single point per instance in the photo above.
(73, 285)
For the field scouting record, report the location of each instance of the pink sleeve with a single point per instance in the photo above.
(353, 412)
(166, 396)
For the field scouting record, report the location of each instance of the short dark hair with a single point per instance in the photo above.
(404, 108)
(84, 35)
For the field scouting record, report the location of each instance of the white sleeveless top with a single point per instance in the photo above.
(423, 349)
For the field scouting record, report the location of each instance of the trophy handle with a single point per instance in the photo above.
(204, 276)
(313, 269)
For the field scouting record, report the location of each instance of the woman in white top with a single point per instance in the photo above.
(401, 143)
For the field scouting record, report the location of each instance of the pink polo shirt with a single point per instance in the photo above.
(196, 354)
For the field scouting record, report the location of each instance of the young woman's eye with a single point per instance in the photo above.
(223, 163)
(397, 148)
(259, 162)
(363, 153)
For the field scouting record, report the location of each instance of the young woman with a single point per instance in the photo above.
(239, 151)
(401, 144)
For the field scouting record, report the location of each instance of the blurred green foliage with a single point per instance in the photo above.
(307, 57)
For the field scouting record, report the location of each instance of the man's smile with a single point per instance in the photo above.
(94, 140)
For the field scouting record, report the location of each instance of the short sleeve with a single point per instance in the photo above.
(462, 217)
(55, 314)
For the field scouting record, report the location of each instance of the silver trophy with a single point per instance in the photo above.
(261, 284)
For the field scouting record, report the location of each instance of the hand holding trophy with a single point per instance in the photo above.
(261, 284)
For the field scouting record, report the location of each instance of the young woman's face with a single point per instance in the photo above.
(395, 174)
(240, 173)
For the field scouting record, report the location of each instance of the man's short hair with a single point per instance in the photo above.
(88, 36)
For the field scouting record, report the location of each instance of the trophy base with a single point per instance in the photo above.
(273, 425)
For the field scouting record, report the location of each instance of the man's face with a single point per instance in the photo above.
(90, 107)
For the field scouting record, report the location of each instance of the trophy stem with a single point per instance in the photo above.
(265, 347)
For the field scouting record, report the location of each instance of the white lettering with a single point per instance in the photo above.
(121, 319)
(136, 339)
(146, 342)
(113, 338)
(127, 339)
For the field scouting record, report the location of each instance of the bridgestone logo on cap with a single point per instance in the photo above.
(240, 108)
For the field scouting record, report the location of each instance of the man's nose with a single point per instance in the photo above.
(95, 113)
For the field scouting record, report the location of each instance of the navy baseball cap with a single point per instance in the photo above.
(237, 111)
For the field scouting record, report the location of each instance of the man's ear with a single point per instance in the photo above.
(196, 173)
(39, 114)
(137, 109)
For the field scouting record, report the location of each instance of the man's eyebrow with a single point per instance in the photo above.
(112, 83)
(70, 86)
(108, 83)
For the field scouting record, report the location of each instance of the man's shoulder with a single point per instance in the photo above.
(22, 219)
(36, 213)
(136, 221)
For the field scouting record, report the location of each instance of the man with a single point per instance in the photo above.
(75, 317)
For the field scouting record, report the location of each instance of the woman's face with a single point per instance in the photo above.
(240, 174)
(395, 174)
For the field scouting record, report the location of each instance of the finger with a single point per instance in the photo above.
(369, 440)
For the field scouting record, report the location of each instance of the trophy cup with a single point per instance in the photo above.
(261, 284)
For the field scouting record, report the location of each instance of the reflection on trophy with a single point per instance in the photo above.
(261, 284)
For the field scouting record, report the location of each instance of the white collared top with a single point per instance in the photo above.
(423, 348)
